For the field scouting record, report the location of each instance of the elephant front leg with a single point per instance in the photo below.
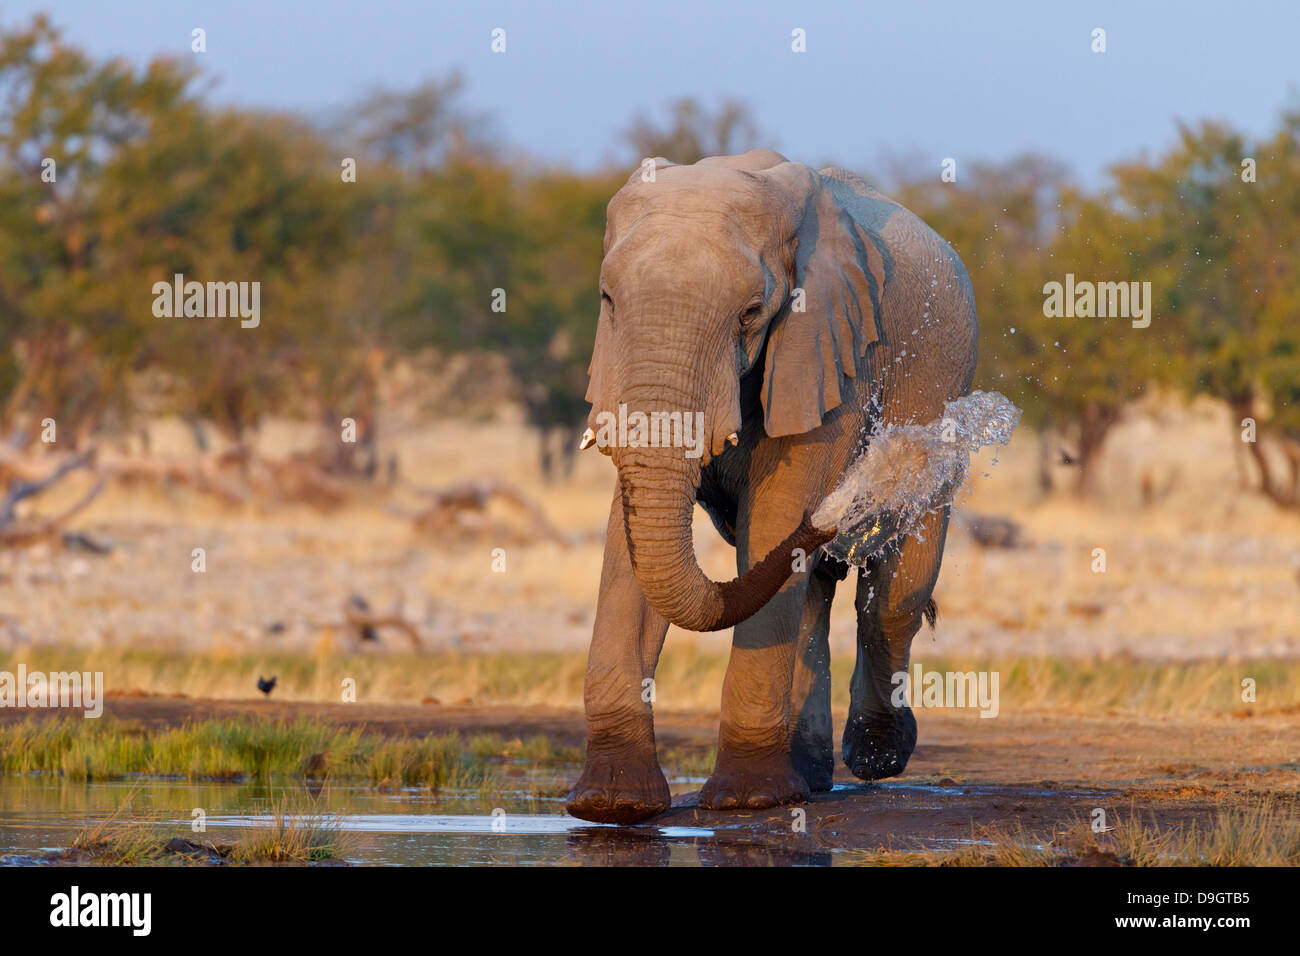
(812, 737)
(754, 768)
(622, 781)
(893, 596)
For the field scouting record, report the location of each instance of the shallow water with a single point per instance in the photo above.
(402, 827)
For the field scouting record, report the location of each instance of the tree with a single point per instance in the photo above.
(1220, 234)
(693, 132)
(64, 349)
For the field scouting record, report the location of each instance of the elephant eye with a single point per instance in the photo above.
(606, 300)
(752, 310)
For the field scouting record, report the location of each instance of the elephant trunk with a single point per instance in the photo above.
(658, 497)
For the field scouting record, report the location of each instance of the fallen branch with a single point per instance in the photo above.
(22, 534)
(451, 504)
(202, 476)
(26, 489)
(365, 623)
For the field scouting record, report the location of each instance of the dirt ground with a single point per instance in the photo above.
(1173, 563)
(1204, 570)
(1035, 773)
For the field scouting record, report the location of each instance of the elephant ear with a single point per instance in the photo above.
(817, 338)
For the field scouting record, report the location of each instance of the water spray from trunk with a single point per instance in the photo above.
(908, 472)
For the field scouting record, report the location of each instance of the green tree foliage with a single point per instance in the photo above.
(1220, 254)
(64, 349)
(152, 182)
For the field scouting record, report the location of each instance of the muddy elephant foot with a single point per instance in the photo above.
(619, 791)
(753, 784)
(879, 747)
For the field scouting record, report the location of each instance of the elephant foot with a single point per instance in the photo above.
(815, 762)
(753, 785)
(619, 791)
(879, 747)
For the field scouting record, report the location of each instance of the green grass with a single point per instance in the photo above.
(251, 748)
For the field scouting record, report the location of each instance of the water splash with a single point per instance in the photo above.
(910, 471)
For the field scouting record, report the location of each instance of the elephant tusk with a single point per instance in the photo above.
(733, 439)
(588, 439)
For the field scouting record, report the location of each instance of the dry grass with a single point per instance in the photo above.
(689, 679)
(1261, 831)
(294, 836)
(1260, 835)
(297, 831)
(1208, 572)
(119, 840)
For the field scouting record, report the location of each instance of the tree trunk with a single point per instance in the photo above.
(1094, 424)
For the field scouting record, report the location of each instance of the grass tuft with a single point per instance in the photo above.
(296, 833)
(260, 749)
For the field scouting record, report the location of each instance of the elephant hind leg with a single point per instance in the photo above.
(812, 737)
(893, 597)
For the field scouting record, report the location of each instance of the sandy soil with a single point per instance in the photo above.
(1205, 571)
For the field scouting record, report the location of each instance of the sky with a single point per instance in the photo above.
(923, 80)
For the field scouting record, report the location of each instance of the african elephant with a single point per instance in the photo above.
(794, 309)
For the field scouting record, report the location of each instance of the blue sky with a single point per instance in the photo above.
(924, 80)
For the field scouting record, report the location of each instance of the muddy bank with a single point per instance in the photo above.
(1029, 773)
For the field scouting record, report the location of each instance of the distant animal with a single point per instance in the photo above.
(266, 686)
(357, 610)
(993, 531)
(786, 312)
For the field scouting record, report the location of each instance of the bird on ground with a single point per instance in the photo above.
(266, 686)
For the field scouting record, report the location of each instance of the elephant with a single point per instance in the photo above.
(792, 310)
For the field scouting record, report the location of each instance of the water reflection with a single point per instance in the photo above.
(402, 827)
